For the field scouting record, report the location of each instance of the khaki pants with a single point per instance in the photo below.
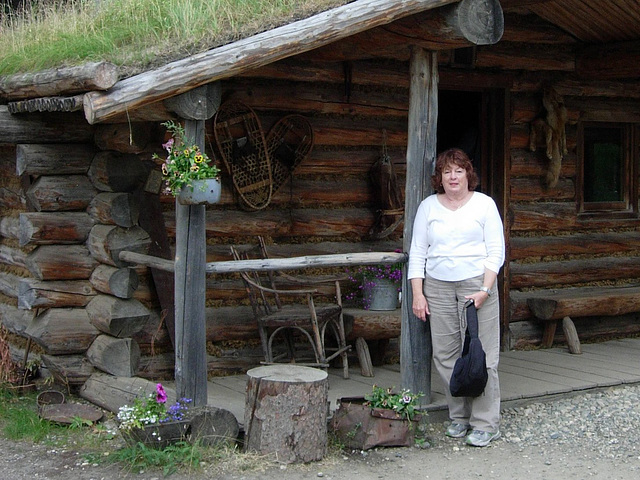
(448, 325)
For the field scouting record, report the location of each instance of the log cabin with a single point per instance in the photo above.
(542, 94)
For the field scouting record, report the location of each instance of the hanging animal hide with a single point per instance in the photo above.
(551, 126)
(389, 196)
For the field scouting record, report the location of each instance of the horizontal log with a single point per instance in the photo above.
(544, 274)
(532, 29)
(59, 81)
(44, 128)
(105, 243)
(512, 56)
(39, 159)
(533, 189)
(39, 228)
(610, 61)
(61, 262)
(157, 367)
(54, 294)
(112, 392)
(47, 104)
(117, 356)
(271, 264)
(61, 192)
(371, 325)
(114, 208)
(600, 243)
(116, 172)
(12, 256)
(130, 137)
(229, 60)
(15, 320)
(584, 302)
(117, 317)
(62, 331)
(556, 217)
(69, 370)
(318, 99)
(525, 163)
(119, 282)
(343, 222)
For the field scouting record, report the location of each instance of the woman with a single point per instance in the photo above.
(456, 253)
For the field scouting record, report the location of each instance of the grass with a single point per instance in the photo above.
(136, 34)
(100, 445)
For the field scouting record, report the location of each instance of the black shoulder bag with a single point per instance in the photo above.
(469, 375)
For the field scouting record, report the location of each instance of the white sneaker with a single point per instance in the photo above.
(478, 438)
(457, 430)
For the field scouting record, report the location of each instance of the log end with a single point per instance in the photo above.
(481, 21)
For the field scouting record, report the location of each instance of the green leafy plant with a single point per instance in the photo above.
(404, 403)
(184, 163)
(151, 410)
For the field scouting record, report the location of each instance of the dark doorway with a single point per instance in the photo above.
(459, 125)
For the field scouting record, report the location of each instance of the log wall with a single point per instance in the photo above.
(63, 254)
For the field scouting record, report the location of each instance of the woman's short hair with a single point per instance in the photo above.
(456, 157)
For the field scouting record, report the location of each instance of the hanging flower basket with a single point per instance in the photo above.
(201, 192)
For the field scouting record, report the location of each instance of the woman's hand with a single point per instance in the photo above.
(478, 298)
(419, 303)
(420, 307)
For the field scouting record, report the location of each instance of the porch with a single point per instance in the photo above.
(525, 376)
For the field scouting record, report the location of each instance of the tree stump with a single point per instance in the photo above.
(286, 412)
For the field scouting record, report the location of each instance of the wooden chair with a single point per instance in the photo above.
(301, 314)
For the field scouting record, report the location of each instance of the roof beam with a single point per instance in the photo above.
(267, 47)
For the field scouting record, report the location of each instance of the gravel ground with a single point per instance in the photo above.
(595, 434)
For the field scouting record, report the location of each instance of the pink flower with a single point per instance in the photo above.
(161, 395)
(167, 146)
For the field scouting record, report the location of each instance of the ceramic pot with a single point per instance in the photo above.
(201, 192)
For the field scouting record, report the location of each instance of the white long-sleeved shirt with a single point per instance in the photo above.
(456, 245)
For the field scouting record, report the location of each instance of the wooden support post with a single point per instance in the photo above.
(415, 338)
(190, 291)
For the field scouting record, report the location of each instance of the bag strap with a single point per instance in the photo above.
(472, 318)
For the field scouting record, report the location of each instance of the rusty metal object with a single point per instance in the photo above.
(362, 427)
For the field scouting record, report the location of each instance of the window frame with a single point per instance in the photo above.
(628, 206)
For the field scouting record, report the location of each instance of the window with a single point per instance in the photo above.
(607, 176)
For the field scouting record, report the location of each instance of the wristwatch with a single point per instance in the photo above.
(486, 290)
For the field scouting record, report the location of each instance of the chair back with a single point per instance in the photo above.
(260, 285)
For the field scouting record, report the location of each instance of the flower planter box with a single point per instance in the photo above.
(159, 435)
(362, 427)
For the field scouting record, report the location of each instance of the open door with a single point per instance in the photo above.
(475, 121)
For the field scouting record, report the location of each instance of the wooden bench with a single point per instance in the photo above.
(550, 306)
(370, 328)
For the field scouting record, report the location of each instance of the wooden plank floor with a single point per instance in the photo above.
(524, 376)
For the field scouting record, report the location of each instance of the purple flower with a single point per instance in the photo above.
(161, 395)
(167, 146)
